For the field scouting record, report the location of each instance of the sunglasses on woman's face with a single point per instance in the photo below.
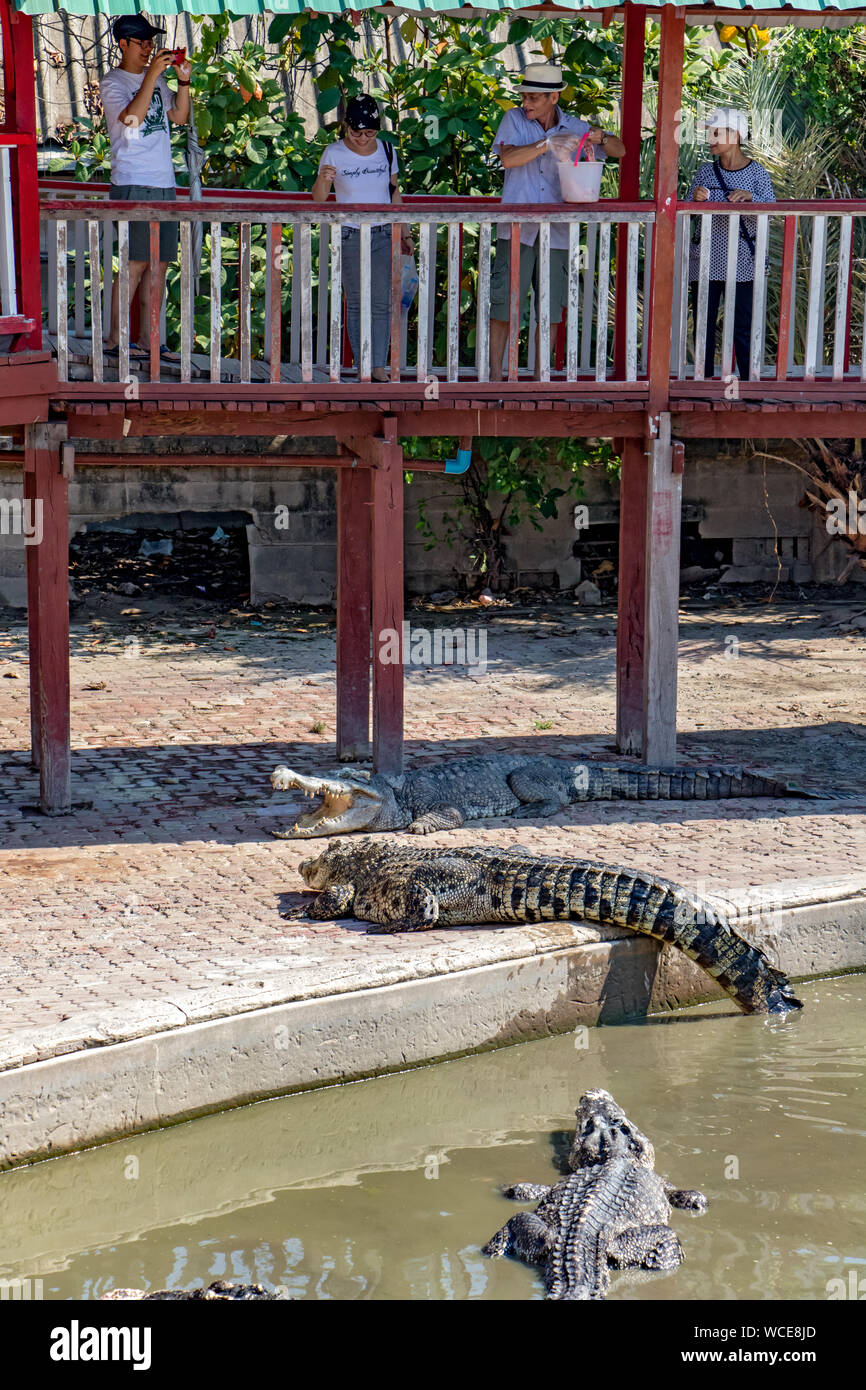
(364, 130)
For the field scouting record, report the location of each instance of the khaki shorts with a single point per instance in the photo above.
(501, 277)
(139, 232)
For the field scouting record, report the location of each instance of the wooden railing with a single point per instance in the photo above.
(808, 296)
(270, 306)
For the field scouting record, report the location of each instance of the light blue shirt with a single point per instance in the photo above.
(537, 181)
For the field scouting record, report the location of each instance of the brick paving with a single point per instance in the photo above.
(158, 902)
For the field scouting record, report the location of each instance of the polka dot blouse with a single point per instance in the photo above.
(756, 180)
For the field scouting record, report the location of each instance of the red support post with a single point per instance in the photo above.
(155, 307)
(354, 578)
(634, 46)
(20, 104)
(631, 596)
(48, 615)
(670, 96)
(387, 604)
(646, 708)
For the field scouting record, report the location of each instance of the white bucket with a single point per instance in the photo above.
(580, 183)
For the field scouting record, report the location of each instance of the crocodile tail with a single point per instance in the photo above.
(607, 781)
(577, 1268)
(671, 914)
(706, 936)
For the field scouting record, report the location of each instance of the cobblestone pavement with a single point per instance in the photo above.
(158, 901)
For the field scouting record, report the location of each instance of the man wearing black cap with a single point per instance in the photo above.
(138, 105)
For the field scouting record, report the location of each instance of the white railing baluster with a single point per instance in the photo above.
(543, 360)
(701, 315)
(603, 303)
(80, 242)
(107, 230)
(647, 281)
(573, 320)
(759, 298)
(322, 296)
(424, 295)
(244, 307)
(95, 301)
(62, 315)
(336, 331)
(123, 306)
(296, 292)
(453, 342)
(588, 297)
(216, 261)
(433, 244)
(843, 280)
(8, 285)
(631, 263)
(364, 366)
(306, 302)
(482, 306)
(816, 283)
(730, 293)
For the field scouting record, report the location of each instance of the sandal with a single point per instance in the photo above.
(168, 354)
(136, 353)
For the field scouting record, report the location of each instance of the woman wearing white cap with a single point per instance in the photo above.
(734, 178)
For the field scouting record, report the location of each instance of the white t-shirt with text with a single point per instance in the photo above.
(361, 178)
(142, 153)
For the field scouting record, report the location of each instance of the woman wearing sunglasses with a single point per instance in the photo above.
(361, 168)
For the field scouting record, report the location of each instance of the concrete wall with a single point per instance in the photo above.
(747, 503)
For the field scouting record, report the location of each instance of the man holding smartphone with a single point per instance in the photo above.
(138, 105)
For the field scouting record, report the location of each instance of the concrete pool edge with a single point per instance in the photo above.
(168, 1074)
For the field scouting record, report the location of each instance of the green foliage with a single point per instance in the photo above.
(250, 140)
(509, 482)
(826, 76)
(87, 144)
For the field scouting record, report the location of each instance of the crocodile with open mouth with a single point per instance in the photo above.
(444, 796)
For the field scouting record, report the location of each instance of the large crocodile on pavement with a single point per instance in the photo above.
(444, 795)
(404, 888)
(612, 1210)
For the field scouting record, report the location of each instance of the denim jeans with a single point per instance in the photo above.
(380, 292)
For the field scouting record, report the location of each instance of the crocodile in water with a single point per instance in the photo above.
(611, 1211)
(404, 888)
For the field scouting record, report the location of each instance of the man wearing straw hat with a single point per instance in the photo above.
(523, 145)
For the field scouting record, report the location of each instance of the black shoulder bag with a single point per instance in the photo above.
(726, 189)
(389, 155)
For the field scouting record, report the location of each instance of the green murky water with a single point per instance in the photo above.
(387, 1188)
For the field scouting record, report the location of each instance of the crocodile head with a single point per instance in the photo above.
(603, 1130)
(350, 800)
(333, 865)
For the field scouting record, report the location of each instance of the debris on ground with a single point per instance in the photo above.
(189, 563)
